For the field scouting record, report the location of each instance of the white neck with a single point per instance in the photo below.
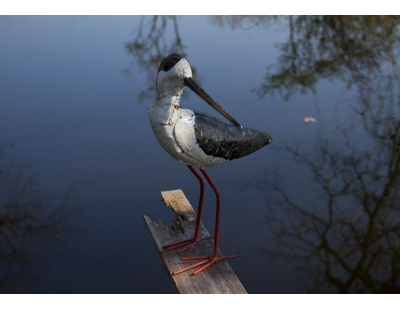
(170, 84)
(168, 100)
(169, 96)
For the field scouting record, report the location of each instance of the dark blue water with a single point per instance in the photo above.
(316, 211)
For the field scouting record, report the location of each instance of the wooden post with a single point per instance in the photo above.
(217, 279)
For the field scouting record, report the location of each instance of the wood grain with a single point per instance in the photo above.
(217, 279)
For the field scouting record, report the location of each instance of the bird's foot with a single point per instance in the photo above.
(187, 244)
(207, 261)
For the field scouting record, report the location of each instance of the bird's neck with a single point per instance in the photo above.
(168, 100)
(169, 97)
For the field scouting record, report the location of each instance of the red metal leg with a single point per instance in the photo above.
(208, 261)
(190, 267)
(193, 243)
(190, 242)
(200, 205)
(174, 246)
(215, 189)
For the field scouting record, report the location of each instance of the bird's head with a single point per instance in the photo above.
(174, 73)
(171, 75)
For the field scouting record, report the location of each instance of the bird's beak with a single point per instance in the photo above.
(189, 82)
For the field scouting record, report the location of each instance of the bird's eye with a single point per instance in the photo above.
(166, 68)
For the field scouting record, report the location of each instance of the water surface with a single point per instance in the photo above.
(316, 211)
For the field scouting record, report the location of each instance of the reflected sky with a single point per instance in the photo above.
(313, 212)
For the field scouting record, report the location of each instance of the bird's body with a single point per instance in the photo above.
(174, 129)
(197, 139)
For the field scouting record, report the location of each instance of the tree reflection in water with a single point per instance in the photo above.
(156, 37)
(348, 48)
(245, 22)
(30, 225)
(348, 239)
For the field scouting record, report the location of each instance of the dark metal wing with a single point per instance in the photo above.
(219, 139)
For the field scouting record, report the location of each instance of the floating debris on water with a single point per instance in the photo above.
(309, 119)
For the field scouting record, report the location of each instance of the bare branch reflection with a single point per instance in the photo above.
(245, 22)
(348, 48)
(347, 239)
(30, 225)
(156, 37)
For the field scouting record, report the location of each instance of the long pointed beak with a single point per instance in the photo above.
(189, 82)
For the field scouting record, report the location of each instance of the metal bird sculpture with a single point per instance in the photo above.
(197, 140)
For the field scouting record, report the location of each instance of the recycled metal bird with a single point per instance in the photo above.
(197, 139)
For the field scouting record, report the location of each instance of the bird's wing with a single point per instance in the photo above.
(185, 136)
(224, 141)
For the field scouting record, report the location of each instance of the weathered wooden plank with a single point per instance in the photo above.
(182, 208)
(217, 279)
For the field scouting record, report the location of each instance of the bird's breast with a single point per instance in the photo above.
(163, 121)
